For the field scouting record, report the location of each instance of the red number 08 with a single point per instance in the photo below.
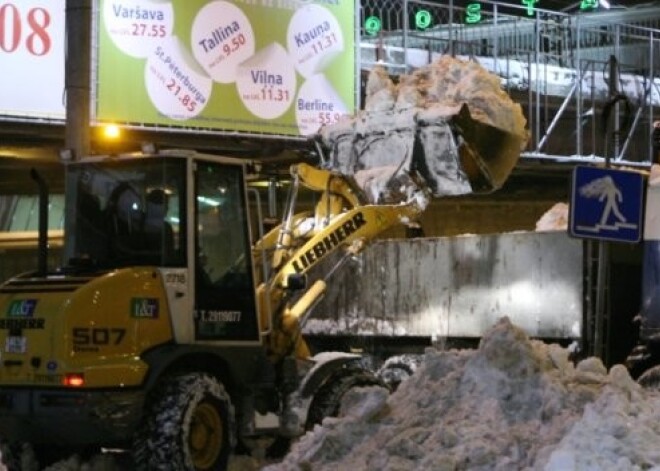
(37, 41)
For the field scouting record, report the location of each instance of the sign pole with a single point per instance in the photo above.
(77, 76)
(601, 302)
(606, 204)
(600, 337)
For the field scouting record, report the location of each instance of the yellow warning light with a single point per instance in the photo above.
(111, 131)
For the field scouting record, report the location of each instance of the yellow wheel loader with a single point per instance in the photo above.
(160, 333)
(166, 330)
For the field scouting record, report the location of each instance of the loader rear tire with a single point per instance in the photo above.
(327, 399)
(189, 426)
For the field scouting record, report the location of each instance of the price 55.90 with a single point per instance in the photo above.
(328, 118)
(24, 29)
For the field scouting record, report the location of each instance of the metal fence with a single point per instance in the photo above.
(585, 80)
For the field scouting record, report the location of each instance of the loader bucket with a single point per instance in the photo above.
(487, 154)
(452, 152)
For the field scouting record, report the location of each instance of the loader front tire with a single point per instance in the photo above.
(189, 425)
(327, 399)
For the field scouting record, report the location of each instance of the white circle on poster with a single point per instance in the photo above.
(137, 26)
(175, 85)
(317, 105)
(266, 82)
(221, 38)
(314, 38)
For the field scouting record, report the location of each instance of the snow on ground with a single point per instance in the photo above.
(114, 462)
(514, 403)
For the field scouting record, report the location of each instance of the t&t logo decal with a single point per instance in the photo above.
(22, 308)
(144, 308)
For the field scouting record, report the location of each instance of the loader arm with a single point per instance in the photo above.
(342, 220)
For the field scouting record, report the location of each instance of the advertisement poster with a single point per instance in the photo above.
(282, 67)
(32, 58)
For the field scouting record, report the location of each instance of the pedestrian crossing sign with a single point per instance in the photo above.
(606, 204)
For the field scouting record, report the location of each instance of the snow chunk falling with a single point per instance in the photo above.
(513, 403)
(554, 219)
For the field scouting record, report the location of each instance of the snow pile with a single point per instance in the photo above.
(514, 403)
(450, 121)
(654, 176)
(450, 82)
(555, 219)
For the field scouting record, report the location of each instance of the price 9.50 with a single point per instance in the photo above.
(24, 30)
(230, 47)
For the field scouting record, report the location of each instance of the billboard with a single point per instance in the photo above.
(281, 67)
(32, 59)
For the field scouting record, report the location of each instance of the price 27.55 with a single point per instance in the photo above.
(148, 31)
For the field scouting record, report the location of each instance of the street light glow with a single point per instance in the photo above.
(111, 131)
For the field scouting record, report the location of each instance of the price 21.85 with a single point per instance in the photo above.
(186, 100)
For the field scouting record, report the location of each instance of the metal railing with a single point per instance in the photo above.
(586, 81)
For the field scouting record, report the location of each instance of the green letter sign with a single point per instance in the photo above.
(372, 25)
(423, 19)
(530, 6)
(473, 13)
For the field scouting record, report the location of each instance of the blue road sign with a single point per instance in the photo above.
(606, 204)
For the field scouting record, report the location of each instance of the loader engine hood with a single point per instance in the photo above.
(92, 325)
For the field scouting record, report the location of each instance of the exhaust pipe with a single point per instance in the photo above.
(42, 260)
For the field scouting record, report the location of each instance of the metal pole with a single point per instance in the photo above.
(603, 262)
(405, 36)
(615, 80)
(42, 260)
(537, 55)
(77, 76)
(603, 246)
(358, 57)
(496, 39)
(578, 96)
(559, 114)
(590, 320)
(451, 28)
(593, 107)
(272, 198)
(633, 126)
(650, 98)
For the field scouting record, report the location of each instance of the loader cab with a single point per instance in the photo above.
(126, 212)
(183, 214)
